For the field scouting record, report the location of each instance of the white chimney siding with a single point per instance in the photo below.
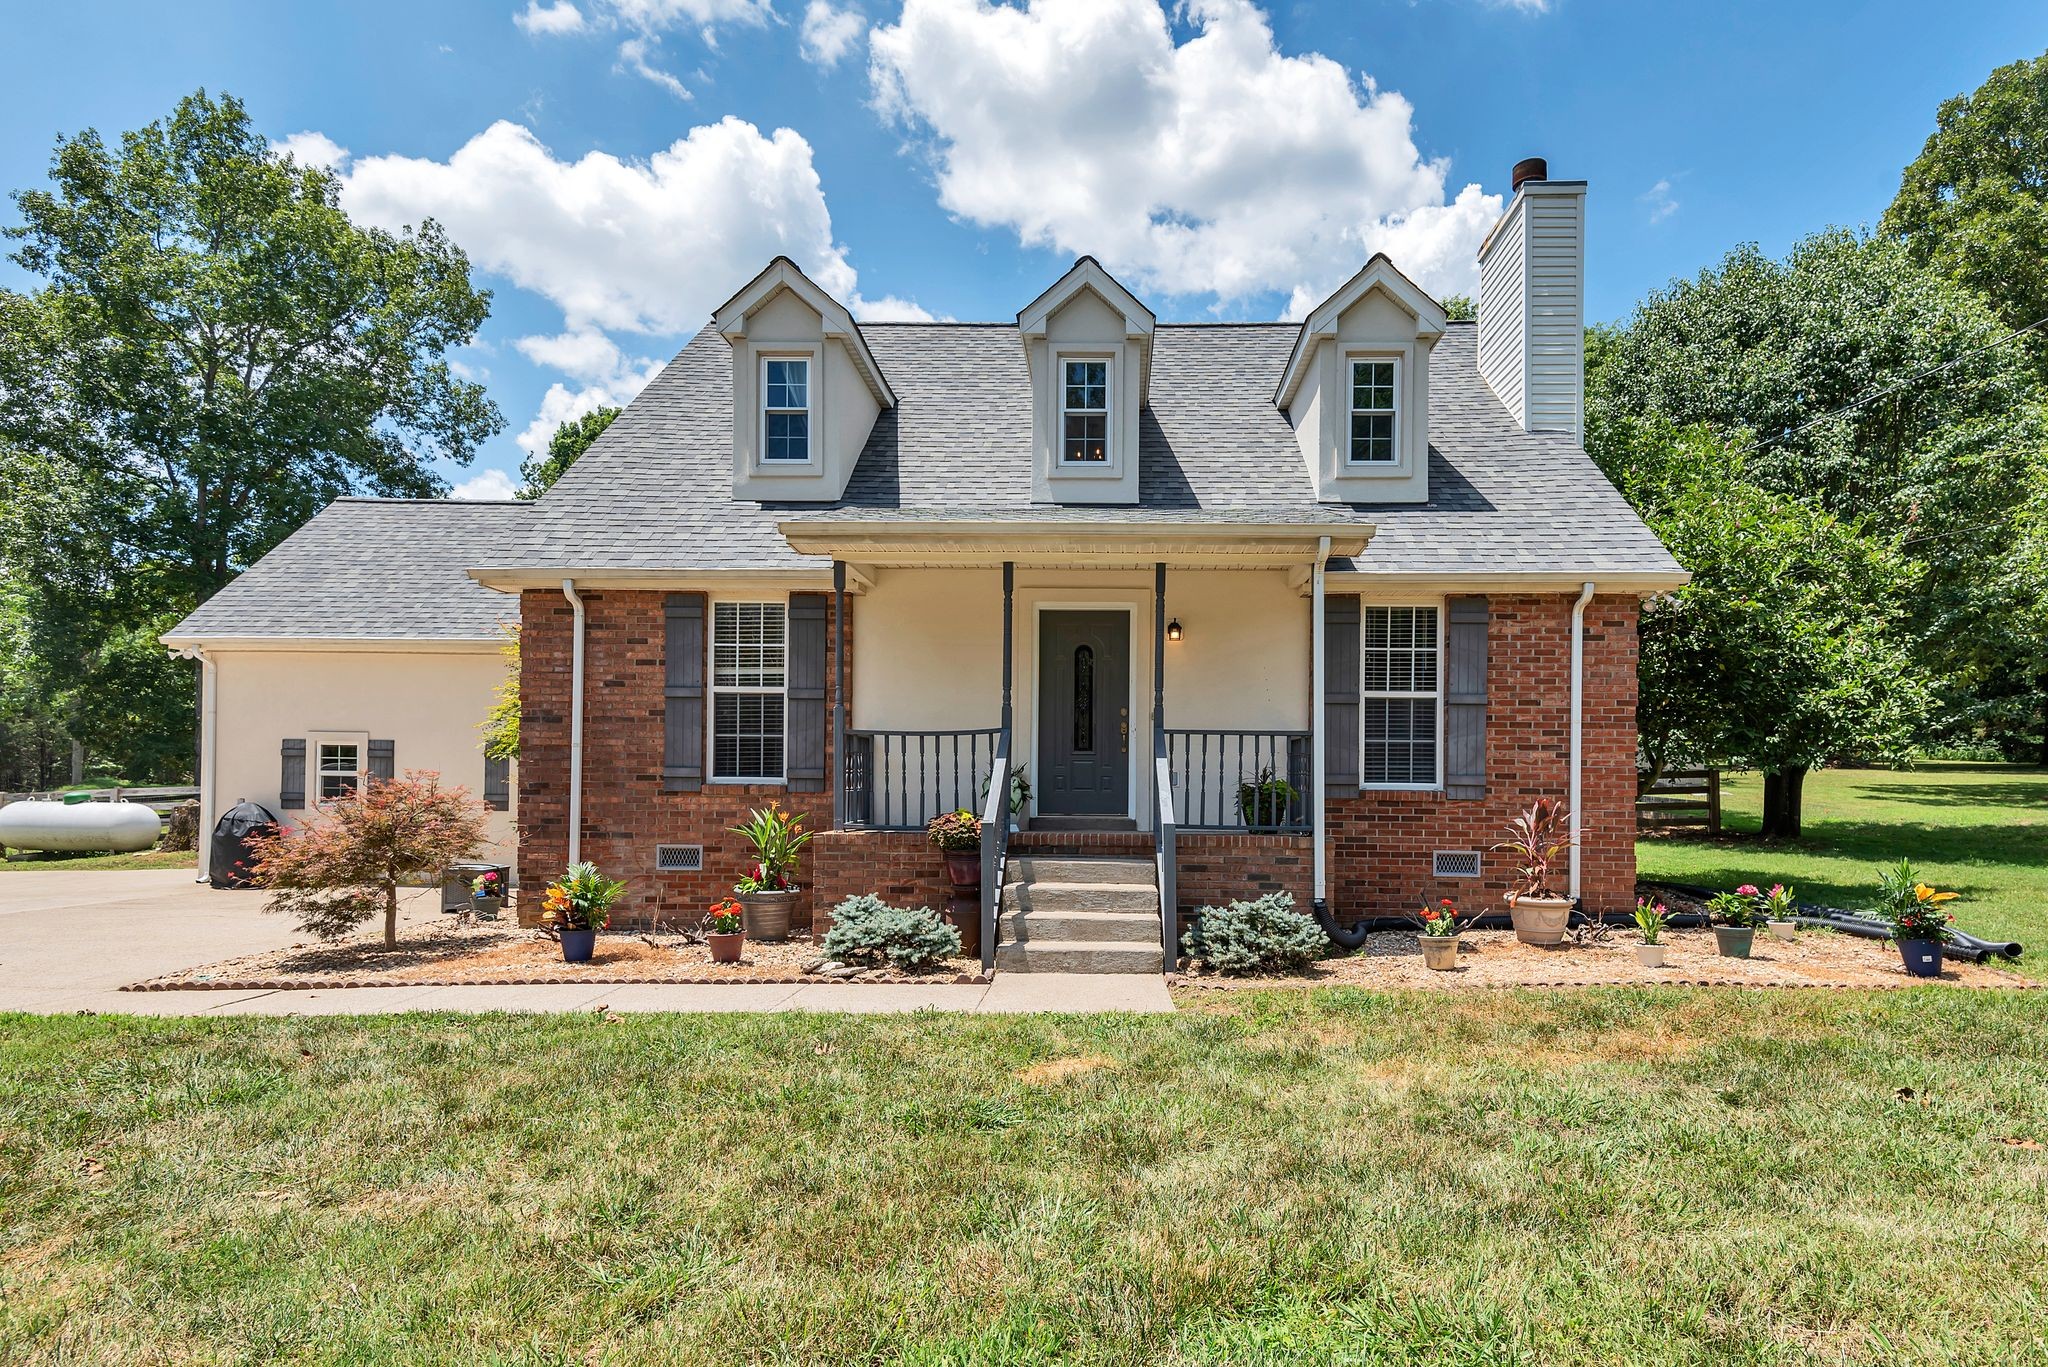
(1532, 307)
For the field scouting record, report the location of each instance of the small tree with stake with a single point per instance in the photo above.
(347, 863)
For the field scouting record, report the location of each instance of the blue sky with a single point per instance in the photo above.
(617, 167)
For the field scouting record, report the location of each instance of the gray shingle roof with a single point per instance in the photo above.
(373, 568)
(655, 491)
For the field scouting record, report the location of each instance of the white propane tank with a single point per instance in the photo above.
(122, 827)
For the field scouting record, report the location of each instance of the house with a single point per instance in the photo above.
(359, 647)
(1358, 564)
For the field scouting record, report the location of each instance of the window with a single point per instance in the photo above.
(1399, 712)
(786, 410)
(1084, 412)
(340, 770)
(1374, 410)
(748, 655)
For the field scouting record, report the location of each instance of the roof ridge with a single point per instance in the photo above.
(437, 502)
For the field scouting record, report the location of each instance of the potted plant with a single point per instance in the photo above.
(1735, 917)
(957, 835)
(486, 895)
(769, 892)
(1020, 792)
(577, 906)
(1265, 801)
(1778, 905)
(724, 930)
(1915, 911)
(1437, 929)
(1538, 838)
(1651, 916)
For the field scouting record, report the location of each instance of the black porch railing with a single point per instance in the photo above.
(899, 780)
(1241, 780)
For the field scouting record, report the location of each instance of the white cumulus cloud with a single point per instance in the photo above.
(1218, 165)
(484, 484)
(653, 16)
(312, 149)
(829, 32)
(558, 18)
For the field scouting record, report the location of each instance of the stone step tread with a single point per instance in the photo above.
(1043, 927)
(1081, 897)
(1079, 956)
(1034, 868)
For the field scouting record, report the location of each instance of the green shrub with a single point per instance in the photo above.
(1255, 937)
(866, 930)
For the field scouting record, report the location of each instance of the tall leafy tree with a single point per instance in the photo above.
(571, 439)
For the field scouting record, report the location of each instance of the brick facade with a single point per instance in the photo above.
(1380, 842)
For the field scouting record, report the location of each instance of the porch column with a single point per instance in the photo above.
(1159, 658)
(1009, 589)
(839, 695)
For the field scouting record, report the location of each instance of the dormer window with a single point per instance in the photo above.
(785, 409)
(1084, 412)
(1375, 411)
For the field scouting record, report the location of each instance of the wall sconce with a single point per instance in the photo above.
(1173, 630)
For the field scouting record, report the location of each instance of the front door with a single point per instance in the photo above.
(1084, 713)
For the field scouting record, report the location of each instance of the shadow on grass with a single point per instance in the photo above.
(2022, 795)
(1884, 842)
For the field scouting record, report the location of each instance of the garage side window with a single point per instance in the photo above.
(340, 769)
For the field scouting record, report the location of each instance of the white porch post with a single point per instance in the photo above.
(1319, 760)
(838, 694)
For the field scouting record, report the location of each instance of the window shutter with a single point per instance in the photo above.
(1465, 698)
(806, 687)
(682, 748)
(291, 782)
(382, 762)
(1340, 696)
(497, 783)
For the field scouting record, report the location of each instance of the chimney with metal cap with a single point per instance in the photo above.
(1532, 302)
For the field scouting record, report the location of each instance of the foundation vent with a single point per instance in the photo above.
(681, 858)
(1454, 864)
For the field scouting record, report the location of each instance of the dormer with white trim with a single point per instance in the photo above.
(1356, 388)
(805, 388)
(1088, 345)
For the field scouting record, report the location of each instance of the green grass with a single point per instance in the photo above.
(1647, 1176)
(24, 862)
(1981, 829)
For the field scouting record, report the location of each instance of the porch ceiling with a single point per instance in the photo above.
(1238, 545)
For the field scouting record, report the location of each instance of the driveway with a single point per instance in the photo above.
(70, 940)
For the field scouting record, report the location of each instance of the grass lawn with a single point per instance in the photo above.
(1981, 829)
(23, 862)
(1652, 1176)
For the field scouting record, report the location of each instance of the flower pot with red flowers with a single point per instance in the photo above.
(1735, 917)
(1918, 915)
(1437, 931)
(486, 895)
(725, 930)
(769, 893)
(577, 906)
(1539, 838)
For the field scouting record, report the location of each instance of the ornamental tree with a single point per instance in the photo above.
(346, 864)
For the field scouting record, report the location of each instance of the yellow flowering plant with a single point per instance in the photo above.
(581, 899)
(1915, 910)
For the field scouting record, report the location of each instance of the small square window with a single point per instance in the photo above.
(340, 770)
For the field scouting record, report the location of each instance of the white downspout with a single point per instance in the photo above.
(209, 760)
(1318, 757)
(1578, 716)
(576, 726)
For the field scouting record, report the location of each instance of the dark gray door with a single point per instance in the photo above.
(1084, 713)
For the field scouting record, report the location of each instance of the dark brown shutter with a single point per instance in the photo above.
(383, 762)
(291, 782)
(1340, 696)
(1465, 698)
(805, 762)
(497, 783)
(682, 746)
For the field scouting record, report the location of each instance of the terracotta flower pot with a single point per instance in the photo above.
(1650, 956)
(964, 915)
(767, 914)
(1734, 941)
(726, 947)
(1439, 952)
(963, 870)
(1540, 920)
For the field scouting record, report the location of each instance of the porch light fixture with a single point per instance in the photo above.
(1173, 630)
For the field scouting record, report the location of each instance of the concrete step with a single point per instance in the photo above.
(1124, 927)
(1070, 824)
(1078, 956)
(1139, 897)
(1043, 869)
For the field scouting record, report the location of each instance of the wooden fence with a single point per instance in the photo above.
(1681, 800)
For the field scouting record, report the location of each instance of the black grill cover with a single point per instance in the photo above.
(228, 865)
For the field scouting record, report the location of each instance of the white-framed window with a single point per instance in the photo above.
(1084, 410)
(785, 409)
(749, 701)
(337, 769)
(1400, 717)
(1375, 410)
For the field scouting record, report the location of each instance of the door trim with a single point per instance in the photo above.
(1130, 613)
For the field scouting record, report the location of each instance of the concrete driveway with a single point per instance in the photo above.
(70, 940)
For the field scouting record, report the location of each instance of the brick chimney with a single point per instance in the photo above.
(1532, 302)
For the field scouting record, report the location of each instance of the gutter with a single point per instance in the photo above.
(209, 761)
(1578, 719)
(575, 725)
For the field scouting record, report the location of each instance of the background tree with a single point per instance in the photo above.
(1459, 308)
(571, 439)
(500, 725)
(216, 352)
(346, 864)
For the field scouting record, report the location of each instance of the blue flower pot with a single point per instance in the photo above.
(1923, 957)
(577, 946)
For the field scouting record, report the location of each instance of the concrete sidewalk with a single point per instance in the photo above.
(69, 941)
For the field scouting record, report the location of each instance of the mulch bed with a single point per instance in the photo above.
(440, 953)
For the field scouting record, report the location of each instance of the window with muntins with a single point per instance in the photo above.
(1399, 713)
(786, 409)
(340, 770)
(1084, 412)
(1374, 412)
(749, 658)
